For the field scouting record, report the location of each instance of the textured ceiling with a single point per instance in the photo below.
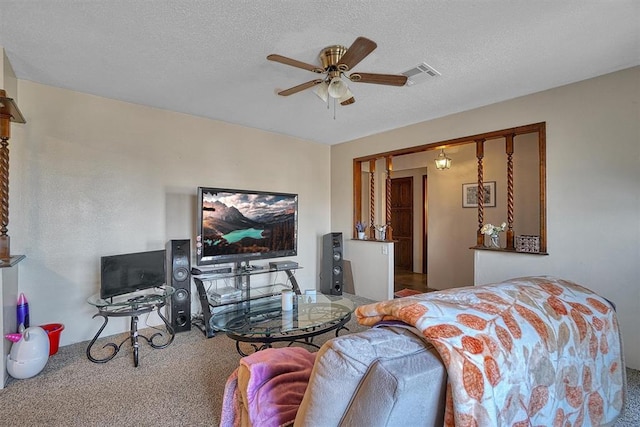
(208, 58)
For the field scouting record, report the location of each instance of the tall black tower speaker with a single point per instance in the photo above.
(332, 275)
(179, 277)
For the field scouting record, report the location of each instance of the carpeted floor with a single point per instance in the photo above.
(180, 385)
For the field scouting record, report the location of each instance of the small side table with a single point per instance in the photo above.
(132, 306)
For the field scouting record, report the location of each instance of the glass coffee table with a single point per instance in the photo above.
(261, 322)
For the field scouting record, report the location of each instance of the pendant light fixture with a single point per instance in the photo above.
(442, 161)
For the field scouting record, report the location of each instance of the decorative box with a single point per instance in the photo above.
(528, 243)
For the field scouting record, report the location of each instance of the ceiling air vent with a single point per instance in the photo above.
(420, 73)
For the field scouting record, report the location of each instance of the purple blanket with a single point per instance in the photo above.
(278, 380)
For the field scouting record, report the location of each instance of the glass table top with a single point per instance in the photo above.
(265, 316)
(147, 296)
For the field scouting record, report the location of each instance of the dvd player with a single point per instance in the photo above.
(283, 265)
(198, 272)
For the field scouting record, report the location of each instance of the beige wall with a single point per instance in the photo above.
(92, 176)
(593, 186)
(8, 80)
(362, 254)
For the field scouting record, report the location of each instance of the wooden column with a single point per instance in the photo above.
(9, 112)
(5, 134)
(357, 194)
(542, 149)
(389, 232)
(509, 151)
(372, 199)
(480, 156)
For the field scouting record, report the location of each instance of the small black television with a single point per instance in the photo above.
(125, 273)
(243, 225)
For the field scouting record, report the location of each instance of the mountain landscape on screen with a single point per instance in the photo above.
(241, 223)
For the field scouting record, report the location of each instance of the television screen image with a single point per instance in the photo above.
(122, 274)
(241, 225)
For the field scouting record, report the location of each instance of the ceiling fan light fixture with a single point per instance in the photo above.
(442, 161)
(337, 88)
(347, 95)
(322, 91)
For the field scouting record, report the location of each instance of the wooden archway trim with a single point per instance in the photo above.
(509, 135)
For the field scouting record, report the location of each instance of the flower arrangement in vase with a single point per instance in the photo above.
(382, 231)
(493, 231)
(360, 228)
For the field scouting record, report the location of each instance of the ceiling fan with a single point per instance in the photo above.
(336, 61)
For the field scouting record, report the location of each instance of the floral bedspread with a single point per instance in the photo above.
(535, 351)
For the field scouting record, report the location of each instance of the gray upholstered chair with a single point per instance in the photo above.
(382, 376)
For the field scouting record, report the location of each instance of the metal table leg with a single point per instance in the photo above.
(134, 339)
(115, 347)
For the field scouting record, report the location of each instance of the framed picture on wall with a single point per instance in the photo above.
(470, 195)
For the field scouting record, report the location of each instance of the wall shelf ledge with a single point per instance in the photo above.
(512, 251)
(11, 261)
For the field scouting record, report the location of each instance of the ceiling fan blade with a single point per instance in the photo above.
(379, 79)
(358, 50)
(294, 63)
(299, 88)
(348, 101)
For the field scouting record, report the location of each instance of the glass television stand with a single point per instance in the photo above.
(240, 293)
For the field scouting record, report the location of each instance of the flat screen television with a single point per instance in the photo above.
(244, 225)
(122, 274)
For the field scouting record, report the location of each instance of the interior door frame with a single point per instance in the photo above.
(425, 222)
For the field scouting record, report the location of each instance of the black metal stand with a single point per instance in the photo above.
(134, 310)
(206, 310)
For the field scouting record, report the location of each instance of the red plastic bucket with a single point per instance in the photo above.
(53, 330)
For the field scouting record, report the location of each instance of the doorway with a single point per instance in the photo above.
(402, 223)
(409, 222)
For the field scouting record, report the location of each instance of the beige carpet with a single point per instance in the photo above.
(180, 385)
